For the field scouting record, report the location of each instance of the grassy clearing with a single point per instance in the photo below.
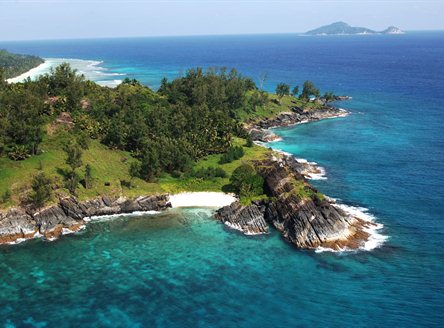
(174, 185)
(273, 109)
(108, 166)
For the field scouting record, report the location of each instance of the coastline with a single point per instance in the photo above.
(70, 216)
(91, 69)
(32, 73)
(366, 235)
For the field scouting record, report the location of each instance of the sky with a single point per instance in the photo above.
(65, 19)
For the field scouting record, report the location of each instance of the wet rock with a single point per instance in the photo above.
(16, 224)
(247, 219)
(306, 219)
(69, 214)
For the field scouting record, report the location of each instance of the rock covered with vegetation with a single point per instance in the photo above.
(298, 211)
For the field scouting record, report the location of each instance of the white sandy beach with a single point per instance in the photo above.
(33, 73)
(201, 199)
(90, 68)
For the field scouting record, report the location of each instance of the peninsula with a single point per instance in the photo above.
(14, 65)
(72, 150)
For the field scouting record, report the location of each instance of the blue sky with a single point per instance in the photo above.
(51, 19)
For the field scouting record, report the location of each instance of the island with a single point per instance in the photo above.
(71, 150)
(341, 28)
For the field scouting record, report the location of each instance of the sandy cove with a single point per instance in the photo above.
(69, 215)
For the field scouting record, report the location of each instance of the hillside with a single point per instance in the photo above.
(341, 28)
(86, 140)
(14, 64)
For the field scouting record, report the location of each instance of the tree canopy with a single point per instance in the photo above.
(282, 89)
(13, 64)
(309, 90)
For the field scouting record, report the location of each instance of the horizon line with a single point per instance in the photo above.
(192, 35)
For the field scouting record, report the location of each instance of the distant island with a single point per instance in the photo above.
(341, 28)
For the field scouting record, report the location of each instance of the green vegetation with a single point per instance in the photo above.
(247, 183)
(282, 89)
(13, 65)
(233, 153)
(41, 189)
(87, 140)
(309, 90)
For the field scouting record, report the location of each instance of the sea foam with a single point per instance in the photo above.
(91, 69)
(375, 239)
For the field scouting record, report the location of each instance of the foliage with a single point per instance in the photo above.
(6, 196)
(282, 89)
(14, 65)
(74, 161)
(309, 89)
(88, 176)
(130, 132)
(21, 120)
(73, 155)
(246, 182)
(209, 173)
(232, 154)
(18, 153)
(249, 142)
(41, 189)
(295, 91)
(329, 96)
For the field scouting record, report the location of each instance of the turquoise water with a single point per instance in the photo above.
(183, 269)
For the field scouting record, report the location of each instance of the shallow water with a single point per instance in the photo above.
(183, 269)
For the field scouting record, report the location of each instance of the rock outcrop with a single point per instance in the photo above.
(248, 219)
(298, 115)
(303, 216)
(70, 215)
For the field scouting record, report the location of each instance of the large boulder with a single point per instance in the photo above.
(247, 219)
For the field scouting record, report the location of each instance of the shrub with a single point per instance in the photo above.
(6, 196)
(41, 189)
(233, 153)
(246, 182)
(249, 142)
(18, 153)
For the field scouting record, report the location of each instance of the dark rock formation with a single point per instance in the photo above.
(247, 219)
(263, 135)
(308, 220)
(299, 115)
(70, 215)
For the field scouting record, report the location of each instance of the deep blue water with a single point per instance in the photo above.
(182, 269)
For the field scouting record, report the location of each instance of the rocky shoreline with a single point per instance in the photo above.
(69, 215)
(307, 222)
(260, 131)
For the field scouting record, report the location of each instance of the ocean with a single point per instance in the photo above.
(182, 269)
